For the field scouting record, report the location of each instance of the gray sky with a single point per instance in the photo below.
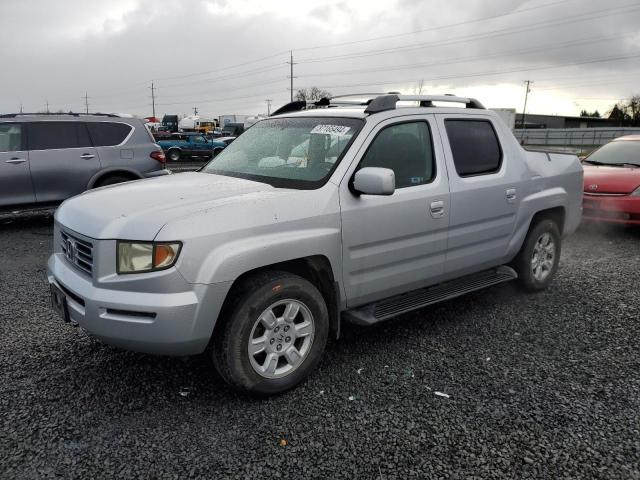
(229, 56)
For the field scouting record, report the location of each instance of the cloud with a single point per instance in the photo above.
(204, 53)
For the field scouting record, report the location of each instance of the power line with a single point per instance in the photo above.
(595, 14)
(449, 61)
(491, 73)
(430, 29)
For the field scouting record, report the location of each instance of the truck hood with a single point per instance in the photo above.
(138, 210)
(602, 179)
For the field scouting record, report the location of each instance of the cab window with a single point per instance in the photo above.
(405, 148)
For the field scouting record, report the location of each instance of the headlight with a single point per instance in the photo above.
(636, 192)
(137, 257)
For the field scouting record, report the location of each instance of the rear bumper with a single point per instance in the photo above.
(622, 209)
(174, 323)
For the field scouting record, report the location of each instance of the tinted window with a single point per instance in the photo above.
(406, 149)
(106, 134)
(10, 137)
(51, 135)
(474, 145)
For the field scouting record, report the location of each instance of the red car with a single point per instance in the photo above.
(612, 182)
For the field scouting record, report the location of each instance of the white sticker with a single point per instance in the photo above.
(331, 129)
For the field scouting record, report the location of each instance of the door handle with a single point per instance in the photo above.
(511, 194)
(437, 209)
(16, 160)
(87, 156)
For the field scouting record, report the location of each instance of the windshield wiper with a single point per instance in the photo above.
(594, 162)
(631, 164)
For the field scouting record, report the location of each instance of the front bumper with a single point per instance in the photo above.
(623, 209)
(179, 323)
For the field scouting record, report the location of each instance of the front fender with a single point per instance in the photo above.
(226, 262)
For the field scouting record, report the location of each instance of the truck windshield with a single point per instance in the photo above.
(288, 152)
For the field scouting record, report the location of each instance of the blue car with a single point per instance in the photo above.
(189, 145)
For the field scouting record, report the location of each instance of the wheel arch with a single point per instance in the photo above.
(316, 269)
(112, 172)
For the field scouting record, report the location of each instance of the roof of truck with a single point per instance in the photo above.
(364, 105)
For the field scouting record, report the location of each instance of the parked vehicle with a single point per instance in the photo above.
(612, 182)
(189, 145)
(261, 254)
(226, 119)
(45, 159)
(195, 123)
(170, 122)
(225, 140)
(232, 129)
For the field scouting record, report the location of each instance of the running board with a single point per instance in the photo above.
(406, 302)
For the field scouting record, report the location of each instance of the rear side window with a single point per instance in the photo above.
(11, 137)
(108, 134)
(55, 135)
(475, 147)
(405, 148)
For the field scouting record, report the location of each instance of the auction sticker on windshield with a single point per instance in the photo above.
(331, 129)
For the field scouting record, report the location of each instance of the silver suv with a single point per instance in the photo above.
(45, 159)
(360, 211)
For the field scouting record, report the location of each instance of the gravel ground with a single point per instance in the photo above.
(538, 386)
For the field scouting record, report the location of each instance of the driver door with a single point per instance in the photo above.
(397, 243)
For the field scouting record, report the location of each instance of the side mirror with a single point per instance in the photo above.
(375, 181)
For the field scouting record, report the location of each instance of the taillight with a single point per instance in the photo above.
(158, 155)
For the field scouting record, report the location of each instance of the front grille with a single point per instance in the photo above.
(77, 252)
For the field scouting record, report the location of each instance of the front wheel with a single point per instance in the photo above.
(275, 335)
(537, 261)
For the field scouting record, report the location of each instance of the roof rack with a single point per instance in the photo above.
(376, 102)
(298, 105)
(53, 114)
(388, 102)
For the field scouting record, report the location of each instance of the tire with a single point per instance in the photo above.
(537, 261)
(112, 180)
(174, 155)
(271, 370)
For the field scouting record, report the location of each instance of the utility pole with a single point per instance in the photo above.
(195, 111)
(268, 100)
(86, 103)
(47, 101)
(153, 99)
(291, 64)
(526, 95)
(21, 107)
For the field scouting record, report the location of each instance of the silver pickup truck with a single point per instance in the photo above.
(357, 210)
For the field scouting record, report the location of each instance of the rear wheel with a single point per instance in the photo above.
(174, 155)
(537, 261)
(113, 180)
(275, 335)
